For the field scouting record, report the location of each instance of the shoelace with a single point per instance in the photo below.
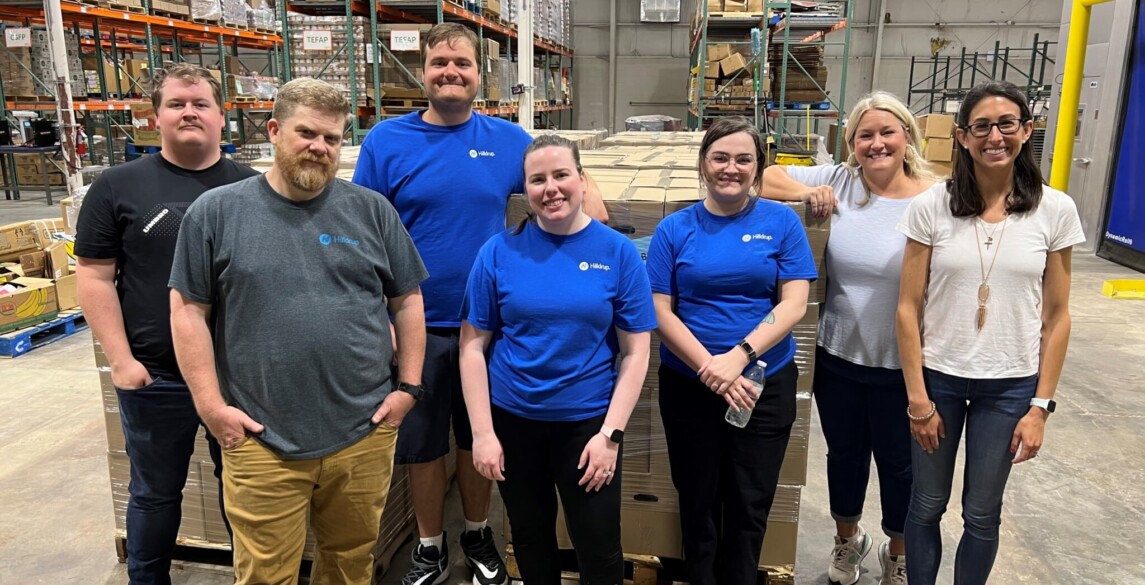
(842, 555)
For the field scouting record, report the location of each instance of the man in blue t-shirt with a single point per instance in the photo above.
(449, 172)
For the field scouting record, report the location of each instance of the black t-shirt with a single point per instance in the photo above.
(132, 213)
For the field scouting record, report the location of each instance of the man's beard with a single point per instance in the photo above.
(307, 178)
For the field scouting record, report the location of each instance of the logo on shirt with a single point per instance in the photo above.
(474, 153)
(327, 239)
(163, 220)
(584, 266)
(749, 237)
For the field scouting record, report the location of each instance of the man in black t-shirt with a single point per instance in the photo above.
(125, 242)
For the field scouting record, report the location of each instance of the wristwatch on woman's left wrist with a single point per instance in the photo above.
(747, 348)
(1045, 404)
(614, 435)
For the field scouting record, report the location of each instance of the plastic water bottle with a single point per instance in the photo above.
(756, 375)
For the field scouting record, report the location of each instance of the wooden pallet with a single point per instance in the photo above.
(122, 7)
(397, 103)
(213, 21)
(736, 15)
(244, 98)
(31, 98)
(265, 31)
(21, 341)
(236, 25)
(216, 558)
(647, 570)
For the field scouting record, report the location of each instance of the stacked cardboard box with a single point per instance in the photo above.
(491, 71)
(31, 171)
(641, 182)
(308, 63)
(806, 74)
(735, 6)
(20, 67)
(938, 141)
(37, 279)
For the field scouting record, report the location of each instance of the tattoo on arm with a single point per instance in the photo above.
(769, 319)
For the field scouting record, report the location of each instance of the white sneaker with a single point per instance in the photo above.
(894, 568)
(847, 558)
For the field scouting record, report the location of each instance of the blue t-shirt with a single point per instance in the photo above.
(450, 186)
(553, 303)
(723, 273)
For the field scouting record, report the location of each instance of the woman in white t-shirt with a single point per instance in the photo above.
(983, 324)
(858, 386)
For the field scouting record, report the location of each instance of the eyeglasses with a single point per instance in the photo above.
(723, 160)
(1006, 127)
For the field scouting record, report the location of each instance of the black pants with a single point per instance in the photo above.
(539, 455)
(726, 477)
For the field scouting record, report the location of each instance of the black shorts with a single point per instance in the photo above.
(424, 435)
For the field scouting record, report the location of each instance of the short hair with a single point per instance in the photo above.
(965, 198)
(448, 33)
(914, 165)
(187, 73)
(312, 93)
(726, 126)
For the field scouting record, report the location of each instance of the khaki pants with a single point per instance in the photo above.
(268, 500)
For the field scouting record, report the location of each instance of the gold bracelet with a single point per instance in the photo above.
(924, 418)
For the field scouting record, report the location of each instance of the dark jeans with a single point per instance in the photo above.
(160, 425)
(862, 410)
(539, 455)
(726, 477)
(990, 409)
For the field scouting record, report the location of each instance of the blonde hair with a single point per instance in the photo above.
(913, 164)
(312, 93)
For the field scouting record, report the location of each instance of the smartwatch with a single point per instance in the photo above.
(746, 347)
(1045, 404)
(614, 435)
(416, 391)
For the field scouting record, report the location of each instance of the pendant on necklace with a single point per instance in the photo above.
(983, 296)
(989, 240)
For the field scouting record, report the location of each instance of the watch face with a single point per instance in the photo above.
(1051, 406)
(617, 436)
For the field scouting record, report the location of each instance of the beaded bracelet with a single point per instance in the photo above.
(923, 418)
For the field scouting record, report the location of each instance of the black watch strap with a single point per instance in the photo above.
(416, 391)
(746, 347)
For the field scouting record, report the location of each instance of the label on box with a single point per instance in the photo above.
(405, 40)
(317, 40)
(18, 37)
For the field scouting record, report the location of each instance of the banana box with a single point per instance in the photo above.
(26, 301)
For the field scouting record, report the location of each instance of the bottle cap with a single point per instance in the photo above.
(761, 363)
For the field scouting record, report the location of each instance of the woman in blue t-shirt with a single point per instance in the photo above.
(730, 278)
(563, 307)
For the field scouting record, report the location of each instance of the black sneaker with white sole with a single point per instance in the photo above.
(481, 555)
(430, 566)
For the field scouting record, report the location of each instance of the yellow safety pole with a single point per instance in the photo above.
(1071, 92)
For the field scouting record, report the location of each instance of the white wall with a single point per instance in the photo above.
(652, 59)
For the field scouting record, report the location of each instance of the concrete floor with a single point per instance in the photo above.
(1072, 516)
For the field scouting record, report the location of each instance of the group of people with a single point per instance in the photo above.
(325, 330)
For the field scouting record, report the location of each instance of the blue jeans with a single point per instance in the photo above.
(861, 409)
(990, 409)
(160, 425)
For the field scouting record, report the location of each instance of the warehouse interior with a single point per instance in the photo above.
(634, 83)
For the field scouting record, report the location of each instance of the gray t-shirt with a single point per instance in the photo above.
(864, 263)
(298, 293)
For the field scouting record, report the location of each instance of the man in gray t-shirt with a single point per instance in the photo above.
(283, 288)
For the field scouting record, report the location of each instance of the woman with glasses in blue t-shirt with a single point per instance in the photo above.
(730, 278)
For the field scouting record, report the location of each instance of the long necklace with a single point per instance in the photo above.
(984, 287)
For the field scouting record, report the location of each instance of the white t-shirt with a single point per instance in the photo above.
(863, 262)
(1008, 344)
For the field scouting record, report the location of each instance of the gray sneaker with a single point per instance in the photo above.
(894, 567)
(847, 558)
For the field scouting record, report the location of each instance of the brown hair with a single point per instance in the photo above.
(727, 126)
(312, 93)
(449, 33)
(187, 73)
